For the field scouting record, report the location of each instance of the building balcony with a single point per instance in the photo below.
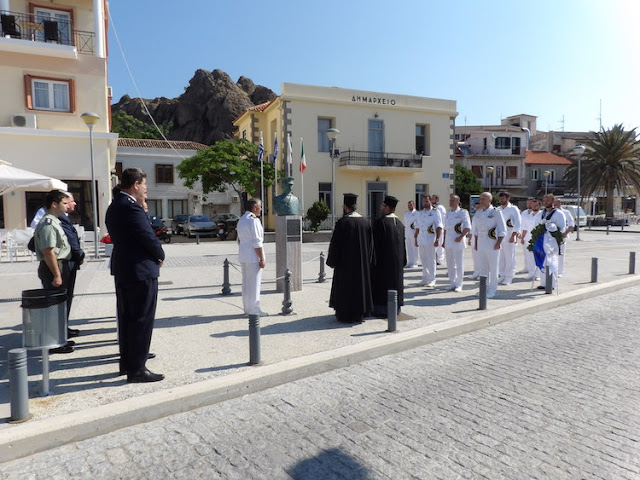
(20, 30)
(557, 187)
(358, 158)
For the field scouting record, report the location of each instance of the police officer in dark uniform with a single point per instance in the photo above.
(135, 264)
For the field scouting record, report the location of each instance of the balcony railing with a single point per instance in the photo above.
(26, 26)
(379, 159)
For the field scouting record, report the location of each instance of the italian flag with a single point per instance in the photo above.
(303, 159)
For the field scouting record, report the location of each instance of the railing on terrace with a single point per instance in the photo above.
(379, 159)
(37, 28)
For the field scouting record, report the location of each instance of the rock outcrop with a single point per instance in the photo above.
(205, 111)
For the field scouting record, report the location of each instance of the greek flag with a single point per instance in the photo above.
(275, 147)
(260, 149)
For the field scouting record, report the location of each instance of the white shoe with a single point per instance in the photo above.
(560, 276)
(421, 284)
(491, 294)
(431, 285)
(457, 289)
(505, 282)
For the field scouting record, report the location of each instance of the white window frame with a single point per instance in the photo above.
(51, 94)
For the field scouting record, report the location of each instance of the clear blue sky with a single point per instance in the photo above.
(549, 58)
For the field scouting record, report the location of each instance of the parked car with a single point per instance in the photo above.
(199, 224)
(177, 224)
(575, 210)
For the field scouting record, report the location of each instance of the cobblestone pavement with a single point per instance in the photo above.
(552, 397)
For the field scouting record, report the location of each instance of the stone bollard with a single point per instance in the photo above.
(286, 303)
(226, 286)
(632, 263)
(594, 270)
(548, 280)
(18, 386)
(392, 310)
(254, 340)
(322, 275)
(483, 293)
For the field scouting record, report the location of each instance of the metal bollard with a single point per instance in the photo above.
(594, 270)
(392, 310)
(226, 286)
(18, 386)
(548, 280)
(254, 340)
(322, 275)
(632, 263)
(608, 229)
(45, 373)
(483, 293)
(286, 303)
(197, 238)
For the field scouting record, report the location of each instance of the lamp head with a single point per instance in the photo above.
(90, 118)
(578, 150)
(490, 169)
(333, 133)
(546, 173)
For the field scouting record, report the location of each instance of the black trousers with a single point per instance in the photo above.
(46, 276)
(136, 305)
(71, 284)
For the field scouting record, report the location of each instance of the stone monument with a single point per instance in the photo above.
(288, 236)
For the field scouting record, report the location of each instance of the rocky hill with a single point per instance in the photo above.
(205, 111)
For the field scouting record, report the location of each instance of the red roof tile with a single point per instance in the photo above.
(546, 158)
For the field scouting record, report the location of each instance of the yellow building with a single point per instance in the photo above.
(387, 144)
(53, 67)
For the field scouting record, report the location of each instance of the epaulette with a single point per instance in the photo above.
(48, 221)
(131, 200)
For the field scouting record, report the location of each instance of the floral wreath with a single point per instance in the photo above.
(541, 229)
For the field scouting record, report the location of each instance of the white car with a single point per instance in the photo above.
(575, 211)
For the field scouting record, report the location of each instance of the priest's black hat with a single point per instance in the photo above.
(390, 201)
(350, 199)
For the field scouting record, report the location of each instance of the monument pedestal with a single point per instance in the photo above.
(289, 251)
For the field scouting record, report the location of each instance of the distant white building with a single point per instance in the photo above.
(166, 194)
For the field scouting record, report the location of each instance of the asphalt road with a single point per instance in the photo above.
(545, 397)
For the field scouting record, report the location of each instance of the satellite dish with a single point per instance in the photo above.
(494, 135)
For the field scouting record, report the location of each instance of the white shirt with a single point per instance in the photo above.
(527, 221)
(553, 216)
(486, 220)
(409, 220)
(428, 219)
(458, 217)
(250, 237)
(568, 218)
(442, 210)
(511, 216)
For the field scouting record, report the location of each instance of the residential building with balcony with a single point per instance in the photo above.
(496, 155)
(388, 144)
(545, 171)
(166, 194)
(53, 68)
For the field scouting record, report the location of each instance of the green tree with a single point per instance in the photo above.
(611, 161)
(228, 162)
(317, 214)
(130, 127)
(466, 183)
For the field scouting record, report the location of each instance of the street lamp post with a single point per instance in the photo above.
(546, 174)
(579, 150)
(490, 172)
(333, 133)
(91, 119)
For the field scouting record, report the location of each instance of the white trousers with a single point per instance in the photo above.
(488, 260)
(251, 278)
(455, 265)
(412, 250)
(529, 262)
(428, 258)
(440, 250)
(507, 267)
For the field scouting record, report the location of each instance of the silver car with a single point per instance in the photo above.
(199, 225)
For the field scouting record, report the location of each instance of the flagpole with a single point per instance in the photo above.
(275, 163)
(262, 178)
(302, 177)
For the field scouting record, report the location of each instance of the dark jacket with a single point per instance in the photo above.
(137, 251)
(77, 254)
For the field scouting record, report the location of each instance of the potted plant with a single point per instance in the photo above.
(108, 245)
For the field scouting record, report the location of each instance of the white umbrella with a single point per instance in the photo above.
(12, 178)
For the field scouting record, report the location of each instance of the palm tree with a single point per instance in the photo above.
(611, 162)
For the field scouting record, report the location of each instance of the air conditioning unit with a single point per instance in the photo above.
(195, 197)
(110, 92)
(235, 199)
(23, 120)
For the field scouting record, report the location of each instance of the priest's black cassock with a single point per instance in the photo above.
(391, 257)
(350, 255)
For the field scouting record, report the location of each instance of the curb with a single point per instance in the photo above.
(30, 438)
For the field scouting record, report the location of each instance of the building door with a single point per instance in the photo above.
(376, 142)
(376, 191)
(499, 176)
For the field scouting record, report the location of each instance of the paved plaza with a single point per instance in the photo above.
(201, 336)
